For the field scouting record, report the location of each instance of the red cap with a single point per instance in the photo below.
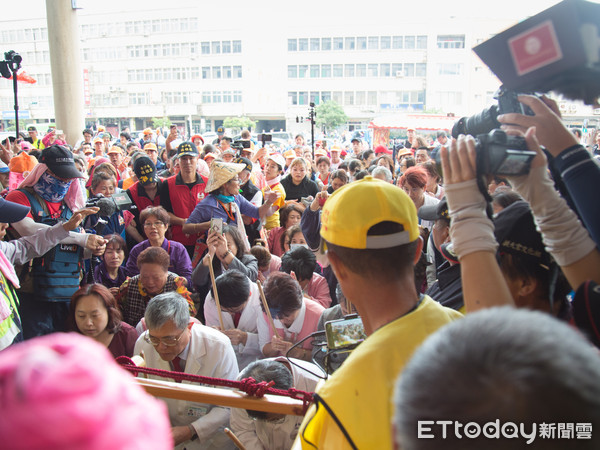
(382, 149)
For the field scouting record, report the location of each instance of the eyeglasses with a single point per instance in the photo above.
(234, 180)
(271, 420)
(168, 341)
(156, 224)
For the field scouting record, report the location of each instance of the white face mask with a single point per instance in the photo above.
(293, 246)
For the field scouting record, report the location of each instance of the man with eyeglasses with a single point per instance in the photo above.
(173, 342)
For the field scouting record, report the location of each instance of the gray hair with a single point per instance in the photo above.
(383, 171)
(268, 370)
(165, 307)
(503, 364)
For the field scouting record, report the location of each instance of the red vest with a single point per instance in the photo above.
(183, 202)
(142, 202)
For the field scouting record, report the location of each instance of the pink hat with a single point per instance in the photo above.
(66, 391)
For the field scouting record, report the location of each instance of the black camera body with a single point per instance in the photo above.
(264, 137)
(241, 145)
(498, 154)
(486, 120)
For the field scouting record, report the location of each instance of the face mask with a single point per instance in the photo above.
(51, 189)
(225, 198)
(293, 246)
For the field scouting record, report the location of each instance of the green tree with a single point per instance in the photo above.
(330, 115)
(161, 122)
(237, 123)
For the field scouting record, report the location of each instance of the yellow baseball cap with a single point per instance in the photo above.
(353, 209)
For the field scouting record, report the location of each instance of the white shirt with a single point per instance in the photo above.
(209, 354)
(263, 327)
(250, 352)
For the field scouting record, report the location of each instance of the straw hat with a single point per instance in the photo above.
(220, 173)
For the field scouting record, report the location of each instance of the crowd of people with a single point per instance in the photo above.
(408, 243)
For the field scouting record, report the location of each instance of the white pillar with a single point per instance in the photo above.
(65, 63)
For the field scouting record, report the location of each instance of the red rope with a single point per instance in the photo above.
(248, 385)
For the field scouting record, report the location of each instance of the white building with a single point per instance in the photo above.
(198, 67)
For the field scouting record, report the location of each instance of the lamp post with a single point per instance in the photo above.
(312, 114)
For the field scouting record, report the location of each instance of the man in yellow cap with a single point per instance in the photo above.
(371, 234)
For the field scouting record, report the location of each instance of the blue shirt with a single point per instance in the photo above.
(210, 208)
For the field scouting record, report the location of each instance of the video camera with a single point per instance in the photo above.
(110, 205)
(241, 145)
(264, 138)
(498, 154)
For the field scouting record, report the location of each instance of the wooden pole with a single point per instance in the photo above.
(266, 306)
(222, 397)
(234, 438)
(214, 286)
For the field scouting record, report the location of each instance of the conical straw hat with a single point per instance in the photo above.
(220, 173)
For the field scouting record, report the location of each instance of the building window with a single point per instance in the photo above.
(361, 43)
(326, 44)
(360, 98)
(216, 47)
(325, 96)
(325, 70)
(315, 44)
(216, 97)
(216, 72)
(303, 98)
(422, 42)
(303, 44)
(451, 41)
(206, 97)
(386, 42)
(227, 72)
(337, 97)
(237, 96)
(349, 70)
(338, 70)
(361, 70)
(409, 42)
(450, 69)
(237, 46)
(302, 70)
(397, 42)
(409, 70)
(292, 98)
(338, 43)
(314, 71)
(226, 46)
(349, 98)
(292, 71)
(397, 69)
(373, 42)
(237, 71)
(421, 70)
(292, 45)
(371, 98)
(350, 43)
(227, 97)
(373, 70)
(314, 98)
(384, 70)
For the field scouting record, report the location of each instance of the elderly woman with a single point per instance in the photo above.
(297, 184)
(224, 202)
(154, 278)
(155, 221)
(94, 313)
(295, 318)
(227, 251)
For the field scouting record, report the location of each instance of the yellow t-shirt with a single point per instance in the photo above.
(273, 219)
(360, 393)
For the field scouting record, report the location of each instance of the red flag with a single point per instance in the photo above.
(25, 78)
